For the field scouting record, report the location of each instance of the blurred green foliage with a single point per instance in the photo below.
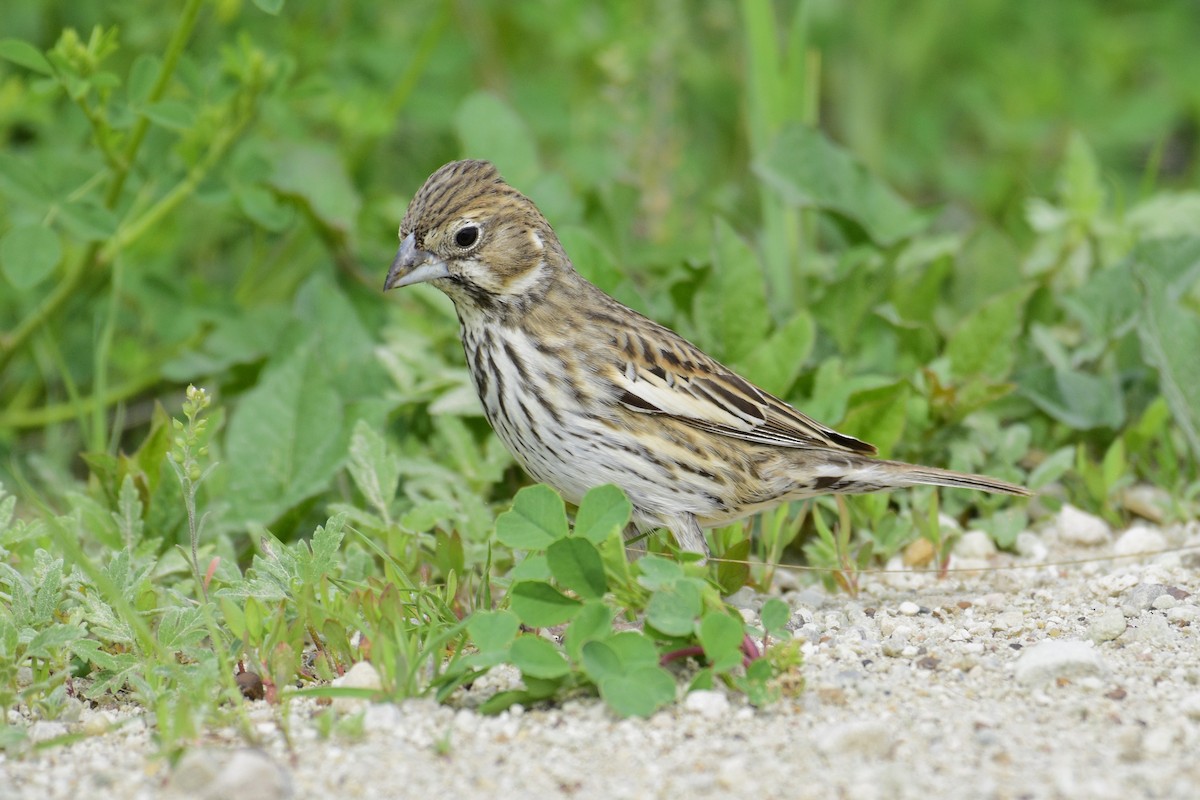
(969, 233)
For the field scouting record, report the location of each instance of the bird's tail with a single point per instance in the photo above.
(861, 475)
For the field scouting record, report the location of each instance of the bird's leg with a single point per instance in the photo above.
(689, 535)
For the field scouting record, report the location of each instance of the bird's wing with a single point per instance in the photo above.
(661, 373)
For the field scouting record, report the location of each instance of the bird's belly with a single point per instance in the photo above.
(567, 436)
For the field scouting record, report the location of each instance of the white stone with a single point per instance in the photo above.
(975, 545)
(1164, 602)
(1107, 626)
(1030, 545)
(360, 676)
(909, 609)
(1049, 660)
(708, 704)
(1139, 539)
(1081, 528)
(210, 774)
(1183, 613)
(1008, 621)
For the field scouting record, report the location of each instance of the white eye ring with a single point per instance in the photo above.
(467, 236)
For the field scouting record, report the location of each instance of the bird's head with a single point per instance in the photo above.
(477, 239)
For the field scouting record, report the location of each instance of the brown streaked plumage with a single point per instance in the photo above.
(585, 391)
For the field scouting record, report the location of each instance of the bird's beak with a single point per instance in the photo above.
(414, 266)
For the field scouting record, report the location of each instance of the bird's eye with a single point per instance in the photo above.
(466, 236)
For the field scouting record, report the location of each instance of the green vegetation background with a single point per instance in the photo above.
(969, 233)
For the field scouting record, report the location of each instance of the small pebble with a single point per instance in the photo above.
(1008, 621)
(251, 685)
(1163, 602)
(709, 704)
(1081, 528)
(909, 609)
(211, 774)
(1051, 660)
(975, 545)
(1141, 598)
(1029, 545)
(1107, 626)
(1139, 539)
(918, 553)
(360, 676)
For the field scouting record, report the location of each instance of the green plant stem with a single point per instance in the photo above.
(175, 47)
(13, 341)
(130, 233)
(97, 435)
(60, 412)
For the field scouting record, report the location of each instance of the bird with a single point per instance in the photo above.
(584, 391)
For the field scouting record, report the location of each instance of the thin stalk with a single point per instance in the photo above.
(61, 412)
(98, 435)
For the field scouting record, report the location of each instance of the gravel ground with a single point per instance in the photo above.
(1078, 680)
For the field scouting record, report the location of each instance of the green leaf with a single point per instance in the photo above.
(674, 609)
(1079, 184)
(808, 170)
(603, 510)
(592, 623)
(489, 128)
(639, 693)
(733, 570)
(1078, 399)
(1170, 338)
(142, 77)
(537, 519)
(180, 628)
(233, 616)
(23, 182)
(25, 54)
(285, 439)
(28, 255)
(731, 306)
(88, 221)
(778, 360)
(1052, 468)
(721, 637)
(171, 114)
(49, 642)
(320, 557)
(575, 563)
(272, 7)
(620, 654)
(774, 617)
(985, 343)
(128, 515)
(878, 415)
(656, 572)
(316, 175)
(540, 605)
(375, 470)
(1104, 303)
(265, 208)
(633, 649)
(493, 633)
(600, 660)
(533, 567)
(535, 656)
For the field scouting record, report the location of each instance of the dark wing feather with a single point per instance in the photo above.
(661, 373)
